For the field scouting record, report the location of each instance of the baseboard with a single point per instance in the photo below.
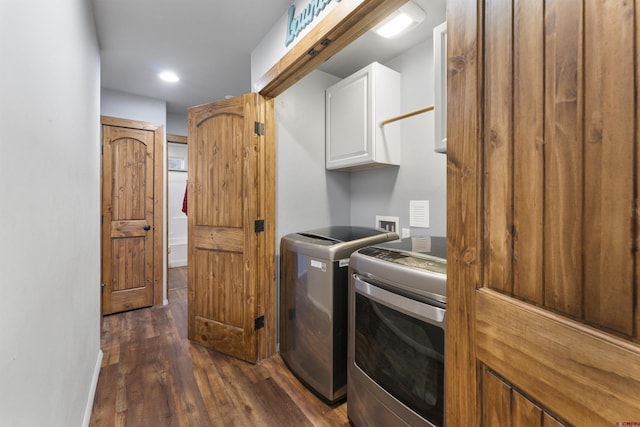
(92, 390)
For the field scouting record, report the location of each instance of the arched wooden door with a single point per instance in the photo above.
(131, 242)
(231, 217)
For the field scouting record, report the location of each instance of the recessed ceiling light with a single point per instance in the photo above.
(169, 76)
(400, 21)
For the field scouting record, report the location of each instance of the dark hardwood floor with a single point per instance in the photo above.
(151, 375)
(177, 278)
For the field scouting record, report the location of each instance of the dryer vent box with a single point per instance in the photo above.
(419, 213)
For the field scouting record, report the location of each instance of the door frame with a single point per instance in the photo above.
(158, 197)
(342, 25)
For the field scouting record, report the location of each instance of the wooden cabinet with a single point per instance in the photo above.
(355, 107)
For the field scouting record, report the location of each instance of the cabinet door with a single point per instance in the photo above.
(348, 116)
(356, 107)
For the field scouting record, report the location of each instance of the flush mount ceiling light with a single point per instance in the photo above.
(400, 21)
(169, 76)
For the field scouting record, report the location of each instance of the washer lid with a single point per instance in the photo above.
(344, 233)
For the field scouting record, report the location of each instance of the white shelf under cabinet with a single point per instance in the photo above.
(355, 107)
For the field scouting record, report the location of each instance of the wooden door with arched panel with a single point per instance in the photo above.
(131, 220)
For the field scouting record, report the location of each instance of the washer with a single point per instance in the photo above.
(314, 267)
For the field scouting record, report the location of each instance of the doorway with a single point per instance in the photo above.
(177, 170)
(177, 167)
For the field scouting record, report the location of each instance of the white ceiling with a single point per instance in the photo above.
(208, 43)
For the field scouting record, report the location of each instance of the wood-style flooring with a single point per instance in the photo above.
(152, 375)
(177, 278)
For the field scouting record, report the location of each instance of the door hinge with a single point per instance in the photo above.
(259, 128)
(258, 225)
(102, 149)
(259, 323)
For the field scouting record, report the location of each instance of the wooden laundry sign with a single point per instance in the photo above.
(295, 24)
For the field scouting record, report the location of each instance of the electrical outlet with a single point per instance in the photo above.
(406, 233)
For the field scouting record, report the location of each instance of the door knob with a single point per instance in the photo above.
(146, 227)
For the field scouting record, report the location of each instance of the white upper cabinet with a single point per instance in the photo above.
(356, 106)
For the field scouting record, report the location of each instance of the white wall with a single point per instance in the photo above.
(272, 47)
(177, 124)
(133, 107)
(308, 196)
(422, 172)
(49, 213)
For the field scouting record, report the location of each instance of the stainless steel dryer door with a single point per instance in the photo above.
(396, 357)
